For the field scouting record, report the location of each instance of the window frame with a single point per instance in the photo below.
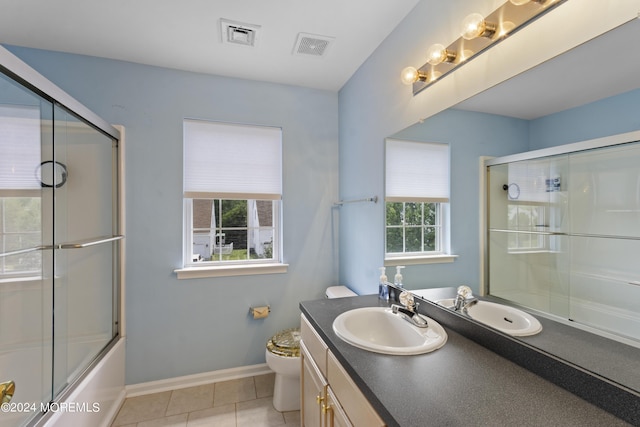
(222, 268)
(441, 252)
(189, 241)
(403, 226)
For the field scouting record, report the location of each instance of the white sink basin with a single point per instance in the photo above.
(379, 330)
(506, 319)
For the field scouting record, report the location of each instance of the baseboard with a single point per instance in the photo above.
(196, 379)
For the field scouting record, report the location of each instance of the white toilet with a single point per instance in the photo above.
(283, 357)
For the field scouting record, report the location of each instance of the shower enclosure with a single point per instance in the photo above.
(59, 243)
(564, 233)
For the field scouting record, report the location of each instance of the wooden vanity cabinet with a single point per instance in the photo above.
(335, 415)
(313, 391)
(329, 398)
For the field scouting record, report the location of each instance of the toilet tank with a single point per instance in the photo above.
(339, 292)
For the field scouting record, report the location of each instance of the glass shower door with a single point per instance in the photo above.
(85, 258)
(528, 246)
(26, 279)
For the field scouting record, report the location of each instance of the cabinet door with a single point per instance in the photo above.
(351, 399)
(335, 415)
(314, 391)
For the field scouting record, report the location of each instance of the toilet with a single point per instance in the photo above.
(283, 357)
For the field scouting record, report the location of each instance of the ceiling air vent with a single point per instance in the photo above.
(238, 33)
(312, 44)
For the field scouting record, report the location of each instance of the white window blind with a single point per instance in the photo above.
(232, 161)
(20, 145)
(416, 171)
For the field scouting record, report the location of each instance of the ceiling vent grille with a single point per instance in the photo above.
(233, 32)
(312, 44)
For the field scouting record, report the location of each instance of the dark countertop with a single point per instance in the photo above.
(461, 384)
(613, 360)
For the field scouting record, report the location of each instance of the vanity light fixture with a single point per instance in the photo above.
(479, 33)
(475, 25)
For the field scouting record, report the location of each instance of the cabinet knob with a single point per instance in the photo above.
(319, 399)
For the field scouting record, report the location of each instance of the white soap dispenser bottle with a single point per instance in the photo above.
(397, 280)
(383, 288)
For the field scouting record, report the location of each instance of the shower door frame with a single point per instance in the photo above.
(23, 74)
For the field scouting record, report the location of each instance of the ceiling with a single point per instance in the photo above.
(186, 34)
(605, 66)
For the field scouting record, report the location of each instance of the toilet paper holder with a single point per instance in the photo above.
(260, 312)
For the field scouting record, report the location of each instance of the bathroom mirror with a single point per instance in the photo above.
(593, 72)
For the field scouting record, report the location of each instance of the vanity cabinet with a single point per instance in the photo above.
(330, 398)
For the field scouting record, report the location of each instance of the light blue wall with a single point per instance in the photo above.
(185, 327)
(609, 116)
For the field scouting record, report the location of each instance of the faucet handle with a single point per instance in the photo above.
(406, 299)
(465, 292)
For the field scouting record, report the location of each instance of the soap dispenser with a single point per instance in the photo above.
(383, 288)
(397, 280)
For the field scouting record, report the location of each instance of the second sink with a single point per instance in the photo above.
(504, 318)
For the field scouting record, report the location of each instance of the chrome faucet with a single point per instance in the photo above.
(408, 310)
(464, 299)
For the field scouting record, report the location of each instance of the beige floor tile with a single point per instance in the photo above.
(220, 416)
(190, 399)
(142, 408)
(234, 391)
(173, 421)
(246, 402)
(264, 385)
(258, 413)
(292, 418)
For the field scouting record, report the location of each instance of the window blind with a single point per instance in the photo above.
(416, 171)
(20, 143)
(223, 160)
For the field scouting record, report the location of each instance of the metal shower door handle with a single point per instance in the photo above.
(6, 391)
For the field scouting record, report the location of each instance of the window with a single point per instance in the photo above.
(20, 199)
(413, 227)
(417, 199)
(232, 194)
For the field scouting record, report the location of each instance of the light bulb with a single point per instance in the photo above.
(437, 54)
(409, 75)
(474, 26)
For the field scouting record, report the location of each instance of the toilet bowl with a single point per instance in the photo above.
(283, 357)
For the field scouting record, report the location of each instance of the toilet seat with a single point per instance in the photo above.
(285, 343)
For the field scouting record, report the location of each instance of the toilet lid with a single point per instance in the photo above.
(285, 343)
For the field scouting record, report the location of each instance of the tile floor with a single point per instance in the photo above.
(238, 403)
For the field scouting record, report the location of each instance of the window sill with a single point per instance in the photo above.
(230, 270)
(420, 259)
